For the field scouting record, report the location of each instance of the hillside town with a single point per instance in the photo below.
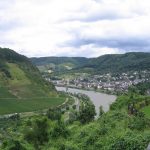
(106, 82)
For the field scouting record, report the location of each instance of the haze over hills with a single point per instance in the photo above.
(106, 63)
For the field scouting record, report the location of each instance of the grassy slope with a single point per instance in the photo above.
(22, 87)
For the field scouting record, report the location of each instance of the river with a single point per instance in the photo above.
(98, 99)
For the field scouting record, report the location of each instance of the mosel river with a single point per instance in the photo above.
(98, 99)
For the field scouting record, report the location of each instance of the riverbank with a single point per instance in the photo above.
(92, 89)
(98, 99)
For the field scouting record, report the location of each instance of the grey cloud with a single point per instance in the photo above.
(127, 43)
(94, 17)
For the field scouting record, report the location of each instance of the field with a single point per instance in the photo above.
(15, 105)
(146, 111)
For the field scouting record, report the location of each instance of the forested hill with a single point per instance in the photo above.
(118, 62)
(20, 78)
(58, 63)
(106, 63)
(59, 60)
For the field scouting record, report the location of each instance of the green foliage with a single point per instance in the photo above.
(101, 111)
(146, 111)
(138, 123)
(140, 88)
(130, 141)
(13, 145)
(59, 130)
(86, 112)
(54, 114)
(38, 134)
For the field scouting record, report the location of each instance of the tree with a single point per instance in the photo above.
(86, 112)
(38, 134)
(54, 114)
(59, 130)
(12, 145)
(101, 111)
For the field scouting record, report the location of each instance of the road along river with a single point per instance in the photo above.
(98, 99)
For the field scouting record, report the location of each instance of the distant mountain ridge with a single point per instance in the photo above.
(59, 60)
(119, 62)
(106, 63)
(58, 63)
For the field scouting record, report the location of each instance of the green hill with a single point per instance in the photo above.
(58, 64)
(103, 64)
(118, 63)
(22, 87)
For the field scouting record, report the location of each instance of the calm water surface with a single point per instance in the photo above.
(98, 99)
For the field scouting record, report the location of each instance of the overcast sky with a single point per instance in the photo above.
(87, 28)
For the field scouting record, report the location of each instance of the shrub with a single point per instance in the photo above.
(86, 113)
(38, 134)
(59, 130)
(54, 114)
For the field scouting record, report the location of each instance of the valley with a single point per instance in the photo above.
(36, 115)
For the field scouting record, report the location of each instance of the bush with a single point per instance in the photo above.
(101, 111)
(130, 141)
(38, 134)
(13, 145)
(59, 130)
(74, 107)
(138, 123)
(54, 114)
(86, 113)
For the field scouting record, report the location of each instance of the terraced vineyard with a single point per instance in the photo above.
(15, 105)
(22, 88)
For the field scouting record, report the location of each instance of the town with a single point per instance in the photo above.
(109, 83)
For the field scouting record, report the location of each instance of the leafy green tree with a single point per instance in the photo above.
(38, 134)
(13, 145)
(101, 111)
(86, 112)
(138, 122)
(59, 130)
(54, 114)
(130, 141)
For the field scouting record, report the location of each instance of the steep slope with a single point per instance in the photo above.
(21, 77)
(22, 87)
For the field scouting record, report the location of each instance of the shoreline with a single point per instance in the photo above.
(84, 89)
